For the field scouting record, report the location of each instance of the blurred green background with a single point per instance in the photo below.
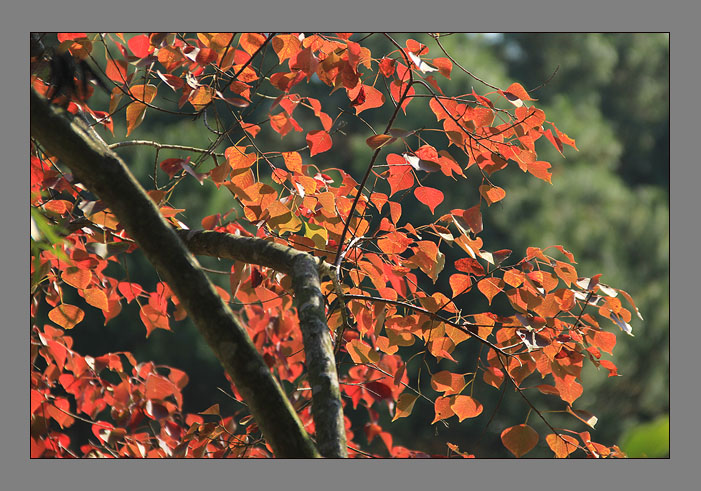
(609, 205)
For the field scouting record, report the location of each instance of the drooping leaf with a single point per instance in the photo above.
(447, 382)
(490, 287)
(491, 194)
(465, 406)
(319, 141)
(519, 439)
(561, 445)
(429, 196)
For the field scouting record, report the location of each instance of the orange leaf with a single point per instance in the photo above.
(66, 316)
(361, 352)
(373, 98)
(540, 170)
(96, 297)
(238, 158)
(429, 196)
(561, 445)
(490, 287)
(319, 141)
(566, 272)
(376, 141)
(460, 283)
(251, 41)
(286, 45)
(405, 404)
(519, 439)
(466, 407)
(140, 45)
(201, 97)
(158, 387)
(443, 409)
(77, 278)
(293, 161)
(153, 319)
(491, 194)
(444, 65)
(448, 382)
(116, 70)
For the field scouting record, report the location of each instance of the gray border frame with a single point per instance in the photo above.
(19, 472)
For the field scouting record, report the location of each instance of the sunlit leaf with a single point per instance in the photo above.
(491, 194)
(466, 407)
(429, 196)
(319, 141)
(66, 316)
(490, 287)
(561, 445)
(519, 439)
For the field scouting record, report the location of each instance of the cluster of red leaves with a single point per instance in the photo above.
(313, 209)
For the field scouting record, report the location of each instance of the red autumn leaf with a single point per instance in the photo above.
(473, 217)
(153, 319)
(470, 266)
(129, 290)
(116, 70)
(429, 196)
(387, 66)
(319, 141)
(140, 45)
(519, 439)
(372, 98)
(444, 65)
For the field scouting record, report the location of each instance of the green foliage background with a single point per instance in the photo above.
(609, 205)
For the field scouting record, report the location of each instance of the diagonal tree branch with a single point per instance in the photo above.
(105, 173)
(303, 269)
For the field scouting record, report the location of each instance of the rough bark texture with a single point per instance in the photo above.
(318, 348)
(104, 173)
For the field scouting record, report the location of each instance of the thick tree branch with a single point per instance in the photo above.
(304, 272)
(105, 173)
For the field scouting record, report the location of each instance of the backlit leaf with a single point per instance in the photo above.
(319, 141)
(405, 404)
(361, 352)
(447, 382)
(66, 316)
(442, 409)
(561, 445)
(429, 196)
(540, 170)
(153, 319)
(460, 283)
(76, 277)
(491, 194)
(490, 287)
(466, 407)
(519, 439)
